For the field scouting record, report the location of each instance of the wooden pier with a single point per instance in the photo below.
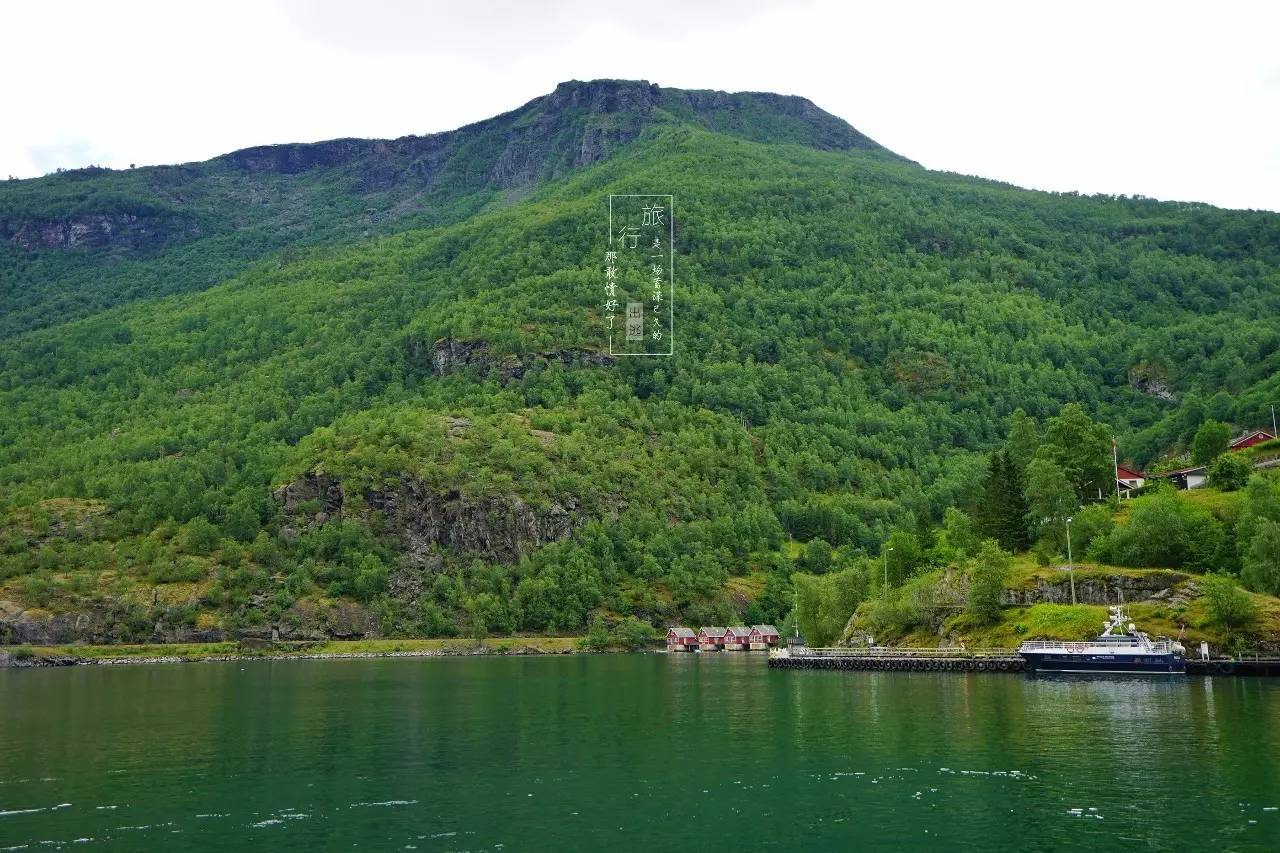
(901, 659)
(886, 659)
(1236, 666)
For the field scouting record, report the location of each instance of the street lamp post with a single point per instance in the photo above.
(886, 566)
(1071, 572)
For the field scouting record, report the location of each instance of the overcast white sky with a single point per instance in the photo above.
(1171, 100)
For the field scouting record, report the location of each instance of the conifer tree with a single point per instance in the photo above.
(1002, 514)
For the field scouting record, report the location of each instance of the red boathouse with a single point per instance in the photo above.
(737, 638)
(681, 639)
(763, 637)
(711, 639)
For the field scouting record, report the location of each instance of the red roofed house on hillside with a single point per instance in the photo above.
(1128, 479)
(1249, 439)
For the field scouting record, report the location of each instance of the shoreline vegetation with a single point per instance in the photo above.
(150, 653)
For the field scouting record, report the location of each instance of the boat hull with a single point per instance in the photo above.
(1138, 664)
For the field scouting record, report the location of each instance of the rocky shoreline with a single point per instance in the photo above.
(35, 660)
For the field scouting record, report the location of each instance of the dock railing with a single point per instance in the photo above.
(900, 652)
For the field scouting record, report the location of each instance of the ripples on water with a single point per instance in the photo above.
(629, 753)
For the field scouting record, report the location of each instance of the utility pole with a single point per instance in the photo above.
(1274, 432)
(1115, 466)
(1071, 572)
(795, 611)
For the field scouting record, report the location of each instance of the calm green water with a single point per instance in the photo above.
(635, 752)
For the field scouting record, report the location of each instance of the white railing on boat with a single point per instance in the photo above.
(1159, 647)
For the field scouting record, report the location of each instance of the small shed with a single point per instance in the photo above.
(736, 638)
(1189, 478)
(763, 637)
(711, 639)
(681, 639)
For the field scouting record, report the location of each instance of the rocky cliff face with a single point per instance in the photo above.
(422, 520)
(98, 230)
(1108, 590)
(496, 529)
(102, 622)
(577, 125)
(1152, 379)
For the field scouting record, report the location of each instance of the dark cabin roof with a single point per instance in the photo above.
(681, 631)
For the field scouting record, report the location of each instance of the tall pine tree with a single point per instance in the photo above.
(1002, 514)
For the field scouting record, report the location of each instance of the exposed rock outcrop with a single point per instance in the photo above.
(98, 230)
(424, 521)
(314, 498)
(1094, 590)
(1152, 379)
(102, 622)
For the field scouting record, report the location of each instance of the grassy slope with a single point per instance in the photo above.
(1080, 622)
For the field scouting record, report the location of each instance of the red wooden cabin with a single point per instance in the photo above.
(763, 636)
(680, 639)
(711, 639)
(736, 638)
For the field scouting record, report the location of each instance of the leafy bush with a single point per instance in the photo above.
(175, 571)
(597, 636)
(200, 536)
(960, 534)
(915, 604)
(1091, 524)
(632, 634)
(1210, 442)
(1230, 472)
(39, 589)
(824, 604)
(1261, 565)
(988, 572)
(1228, 606)
(1164, 532)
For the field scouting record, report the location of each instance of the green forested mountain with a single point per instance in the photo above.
(364, 386)
(79, 241)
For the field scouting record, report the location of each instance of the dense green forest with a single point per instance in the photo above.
(416, 433)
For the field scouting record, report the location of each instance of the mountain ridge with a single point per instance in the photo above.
(84, 239)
